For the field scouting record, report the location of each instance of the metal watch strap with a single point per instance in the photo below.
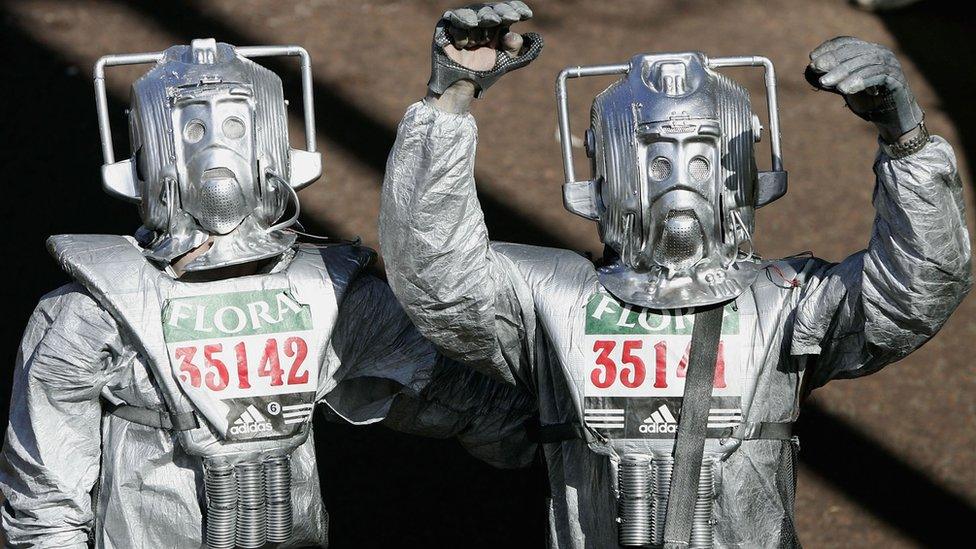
(692, 427)
(912, 146)
(158, 419)
(444, 71)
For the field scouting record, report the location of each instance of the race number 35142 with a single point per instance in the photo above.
(245, 366)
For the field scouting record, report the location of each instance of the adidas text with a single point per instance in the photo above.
(651, 428)
(250, 428)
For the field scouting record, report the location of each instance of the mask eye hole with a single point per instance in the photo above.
(699, 168)
(233, 127)
(194, 131)
(660, 169)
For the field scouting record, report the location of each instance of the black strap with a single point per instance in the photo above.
(160, 419)
(692, 427)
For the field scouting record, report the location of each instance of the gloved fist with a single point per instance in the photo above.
(474, 44)
(870, 79)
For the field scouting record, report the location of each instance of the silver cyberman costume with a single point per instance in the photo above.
(605, 348)
(151, 409)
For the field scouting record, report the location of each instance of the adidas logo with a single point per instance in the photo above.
(661, 421)
(251, 421)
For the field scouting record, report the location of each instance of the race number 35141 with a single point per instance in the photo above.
(635, 364)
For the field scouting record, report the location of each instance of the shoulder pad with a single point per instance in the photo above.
(87, 257)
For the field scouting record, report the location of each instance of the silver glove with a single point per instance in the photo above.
(480, 26)
(870, 79)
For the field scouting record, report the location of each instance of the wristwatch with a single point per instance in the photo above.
(904, 147)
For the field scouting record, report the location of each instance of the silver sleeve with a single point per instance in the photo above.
(880, 304)
(52, 452)
(379, 351)
(459, 293)
(389, 371)
(486, 416)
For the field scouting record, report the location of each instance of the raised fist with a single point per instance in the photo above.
(870, 79)
(474, 43)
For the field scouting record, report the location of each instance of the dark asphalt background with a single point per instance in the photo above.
(887, 461)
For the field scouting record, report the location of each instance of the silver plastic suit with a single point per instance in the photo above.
(596, 356)
(149, 410)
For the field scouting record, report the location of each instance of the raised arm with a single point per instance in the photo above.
(52, 452)
(462, 296)
(879, 305)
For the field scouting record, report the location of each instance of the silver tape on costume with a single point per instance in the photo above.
(77, 336)
(145, 317)
(210, 161)
(522, 313)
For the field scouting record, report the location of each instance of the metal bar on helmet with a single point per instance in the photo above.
(770, 78)
(562, 107)
(291, 51)
(101, 100)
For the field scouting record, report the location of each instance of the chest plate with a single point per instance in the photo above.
(246, 356)
(635, 368)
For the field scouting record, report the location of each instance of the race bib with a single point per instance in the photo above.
(635, 373)
(247, 355)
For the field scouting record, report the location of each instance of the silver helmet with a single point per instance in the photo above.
(210, 158)
(675, 184)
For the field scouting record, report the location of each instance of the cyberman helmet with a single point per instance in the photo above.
(675, 184)
(210, 156)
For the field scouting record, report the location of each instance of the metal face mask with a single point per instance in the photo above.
(216, 156)
(210, 154)
(674, 184)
